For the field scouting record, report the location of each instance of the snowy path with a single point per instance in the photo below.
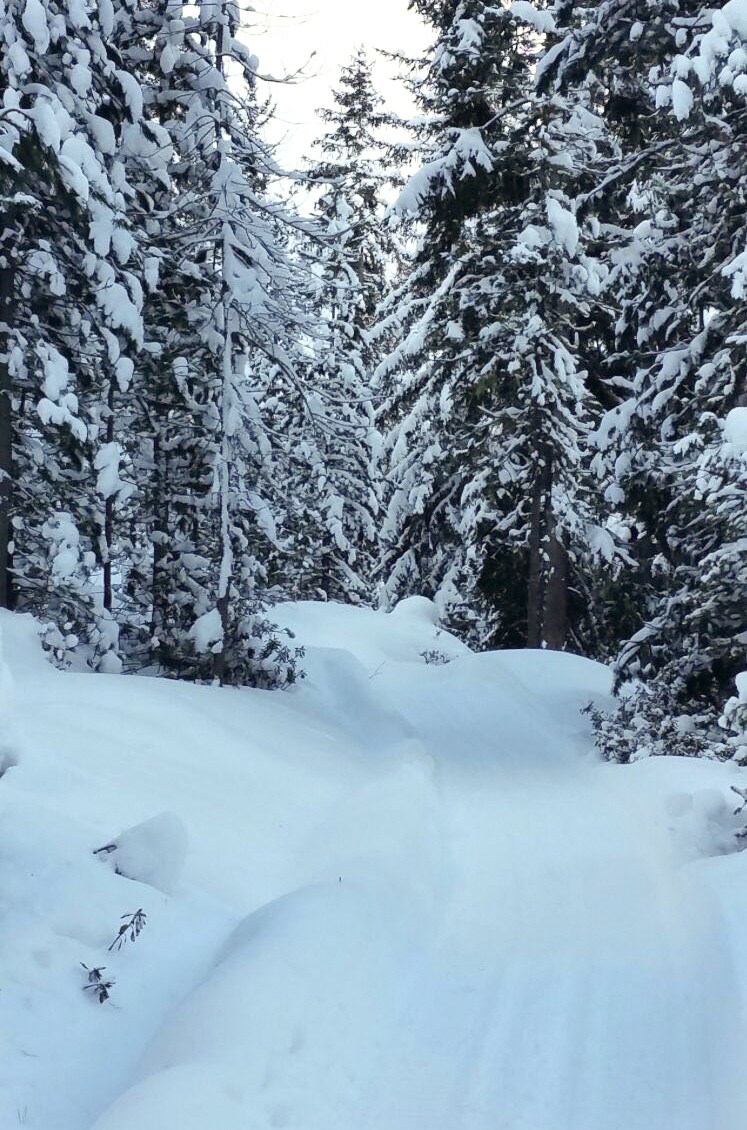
(562, 989)
(464, 923)
(547, 971)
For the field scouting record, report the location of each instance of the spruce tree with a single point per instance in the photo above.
(72, 306)
(679, 285)
(335, 509)
(495, 507)
(423, 411)
(240, 302)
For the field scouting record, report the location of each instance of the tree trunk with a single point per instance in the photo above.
(160, 507)
(534, 582)
(538, 545)
(555, 618)
(225, 576)
(108, 512)
(6, 431)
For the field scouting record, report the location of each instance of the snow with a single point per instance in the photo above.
(736, 270)
(728, 23)
(133, 95)
(102, 132)
(81, 79)
(47, 124)
(549, 58)
(207, 631)
(466, 153)
(107, 462)
(56, 372)
(19, 63)
(682, 99)
(152, 852)
(34, 21)
(469, 37)
(543, 22)
(413, 897)
(74, 178)
(563, 224)
(64, 541)
(118, 305)
(8, 735)
(735, 14)
(735, 429)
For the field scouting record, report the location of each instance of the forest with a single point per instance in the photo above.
(493, 353)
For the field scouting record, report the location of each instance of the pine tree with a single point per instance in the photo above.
(495, 509)
(423, 410)
(335, 510)
(71, 306)
(170, 557)
(679, 286)
(239, 303)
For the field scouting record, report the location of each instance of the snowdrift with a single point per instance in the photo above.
(403, 894)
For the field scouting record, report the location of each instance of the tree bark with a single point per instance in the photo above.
(108, 530)
(158, 582)
(7, 291)
(534, 580)
(555, 625)
(538, 543)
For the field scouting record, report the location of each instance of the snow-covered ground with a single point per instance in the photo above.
(412, 899)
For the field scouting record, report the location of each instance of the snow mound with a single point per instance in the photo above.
(378, 640)
(301, 984)
(694, 801)
(417, 608)
(8, 738)
(341, 687)
(414, 897)
(152, 852)
(703, 822)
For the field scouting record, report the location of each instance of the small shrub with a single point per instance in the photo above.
(131, 926)
(97, 984)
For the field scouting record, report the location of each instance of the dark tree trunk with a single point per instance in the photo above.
(7, 303)
(220, 667)
(534, 581)
(108, 513)
(538, 544)
(158, 581)
(555, 625)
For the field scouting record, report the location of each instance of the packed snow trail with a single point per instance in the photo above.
(468, 923)
(552, 973)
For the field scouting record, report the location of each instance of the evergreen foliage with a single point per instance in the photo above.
(495, 504)
(535, 416)
(678, 288)
(334, 508)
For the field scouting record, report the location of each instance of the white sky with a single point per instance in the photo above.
(286, 32)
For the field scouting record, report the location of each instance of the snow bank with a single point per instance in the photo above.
(8, 736)
(376, 639)
(414, 896)
(152, 852)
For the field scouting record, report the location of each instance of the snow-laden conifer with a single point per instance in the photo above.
(334, 509)
(679, 291)
(72, 307)
(239, 302)
(494, 507)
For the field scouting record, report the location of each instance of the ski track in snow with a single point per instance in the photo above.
(469, 923)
